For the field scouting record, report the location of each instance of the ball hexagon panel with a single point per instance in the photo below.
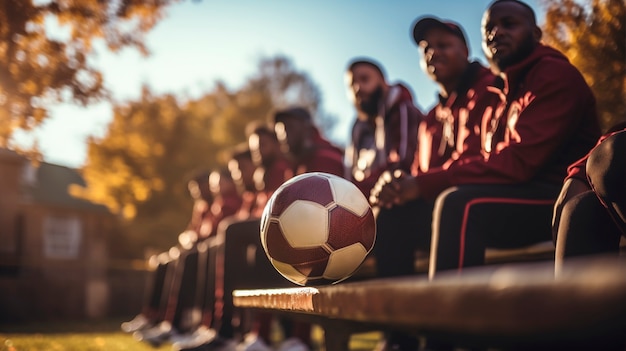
(312, 270)
(344, 262)
(305, 224)
(315, 189)
(346, 229)
(278, 248)
(348, 196)
(289, 272)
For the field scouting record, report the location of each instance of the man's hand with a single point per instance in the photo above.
(394, 189)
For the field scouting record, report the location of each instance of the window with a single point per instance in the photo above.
(61, 237)
(29, 174)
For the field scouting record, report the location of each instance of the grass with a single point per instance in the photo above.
(106, 335)
(70, 336)
(364, 341)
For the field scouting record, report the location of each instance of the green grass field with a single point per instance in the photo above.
(70, 336)
(106, 335)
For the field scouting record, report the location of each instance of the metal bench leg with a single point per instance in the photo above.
(336, 335)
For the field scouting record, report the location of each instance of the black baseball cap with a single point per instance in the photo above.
(294, 112)
(424, 24)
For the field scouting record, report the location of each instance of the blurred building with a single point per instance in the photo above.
(53, 246)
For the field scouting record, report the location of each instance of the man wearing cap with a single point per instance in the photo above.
(543, 119)
(450, 131)
(452, 127)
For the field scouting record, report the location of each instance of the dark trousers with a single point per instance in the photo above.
(467, 219)
(241, 263)
(400, 232)
(586, 228)
(180, 312)
(195, 285)
(156, 287)
(207, 290)
(587, 224)
(167, 289)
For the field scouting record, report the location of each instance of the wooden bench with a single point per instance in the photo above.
(520, 305)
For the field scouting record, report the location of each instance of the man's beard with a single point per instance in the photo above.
(370, 106)
(526, 47)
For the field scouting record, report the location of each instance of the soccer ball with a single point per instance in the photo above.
(317, 228)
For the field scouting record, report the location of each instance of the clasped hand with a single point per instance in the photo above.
(394, 189)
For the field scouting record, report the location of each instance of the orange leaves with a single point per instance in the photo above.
(44, 46)
(592, 35)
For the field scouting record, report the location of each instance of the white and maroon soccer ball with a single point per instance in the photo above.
(317, 228)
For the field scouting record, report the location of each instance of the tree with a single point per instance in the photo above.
(593, 36)
(287, 86)
(284, 84)
(140, 168)
(45, 48)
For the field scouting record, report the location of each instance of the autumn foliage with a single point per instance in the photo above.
(593, 36)
(154, 145)
(45, 48)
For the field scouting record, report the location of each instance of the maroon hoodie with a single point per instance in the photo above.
(452, 128)
(542, 120)
(322, 157)
(386, 142)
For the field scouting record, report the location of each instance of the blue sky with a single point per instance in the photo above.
(200, 42)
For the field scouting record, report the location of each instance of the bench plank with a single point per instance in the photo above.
(503, 304)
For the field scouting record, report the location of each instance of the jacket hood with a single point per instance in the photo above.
(474, 72)
(541, 52)
(397, 93)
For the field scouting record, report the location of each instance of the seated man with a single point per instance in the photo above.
(172, 308)
(450, 131)
(384, 134)
(543, 118)
(304, 144)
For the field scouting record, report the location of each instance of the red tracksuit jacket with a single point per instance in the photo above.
(542, 120)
